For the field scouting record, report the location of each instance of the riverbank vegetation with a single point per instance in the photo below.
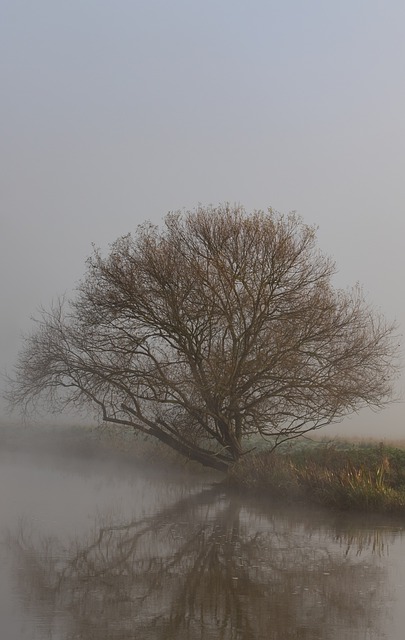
(341, 475)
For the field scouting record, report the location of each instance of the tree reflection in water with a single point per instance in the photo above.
(205, 567)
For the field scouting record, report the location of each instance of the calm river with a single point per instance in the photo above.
(95, 547)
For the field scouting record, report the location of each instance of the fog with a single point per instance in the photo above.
(115, 113)
(96, 544)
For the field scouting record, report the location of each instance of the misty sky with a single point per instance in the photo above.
(117, 112)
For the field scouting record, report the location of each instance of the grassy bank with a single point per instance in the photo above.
(369, 477)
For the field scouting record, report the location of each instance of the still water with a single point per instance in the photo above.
(96, 547)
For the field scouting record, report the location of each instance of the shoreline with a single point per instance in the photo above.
(340, 476)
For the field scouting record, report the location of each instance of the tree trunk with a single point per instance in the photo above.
(194, 453)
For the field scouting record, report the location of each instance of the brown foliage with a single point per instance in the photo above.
(220, 326)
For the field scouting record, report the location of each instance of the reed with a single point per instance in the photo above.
(361, 477)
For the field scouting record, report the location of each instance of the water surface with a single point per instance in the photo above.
(101, 547)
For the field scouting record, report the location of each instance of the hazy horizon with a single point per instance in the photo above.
(116, 113)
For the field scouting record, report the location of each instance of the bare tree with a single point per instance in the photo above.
(220, 326)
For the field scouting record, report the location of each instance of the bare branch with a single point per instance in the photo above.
(218, 327)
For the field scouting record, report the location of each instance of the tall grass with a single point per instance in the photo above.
(370, 478)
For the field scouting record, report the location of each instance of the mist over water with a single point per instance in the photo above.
(95, 544)
(116, 114)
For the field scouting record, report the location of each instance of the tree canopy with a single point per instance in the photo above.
(212, 329)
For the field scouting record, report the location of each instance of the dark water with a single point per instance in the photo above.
(99, 549)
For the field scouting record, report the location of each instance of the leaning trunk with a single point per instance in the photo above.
(206, 458)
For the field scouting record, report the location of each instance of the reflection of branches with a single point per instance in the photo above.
(205, 567)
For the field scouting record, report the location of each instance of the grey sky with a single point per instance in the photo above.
(117, 112)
